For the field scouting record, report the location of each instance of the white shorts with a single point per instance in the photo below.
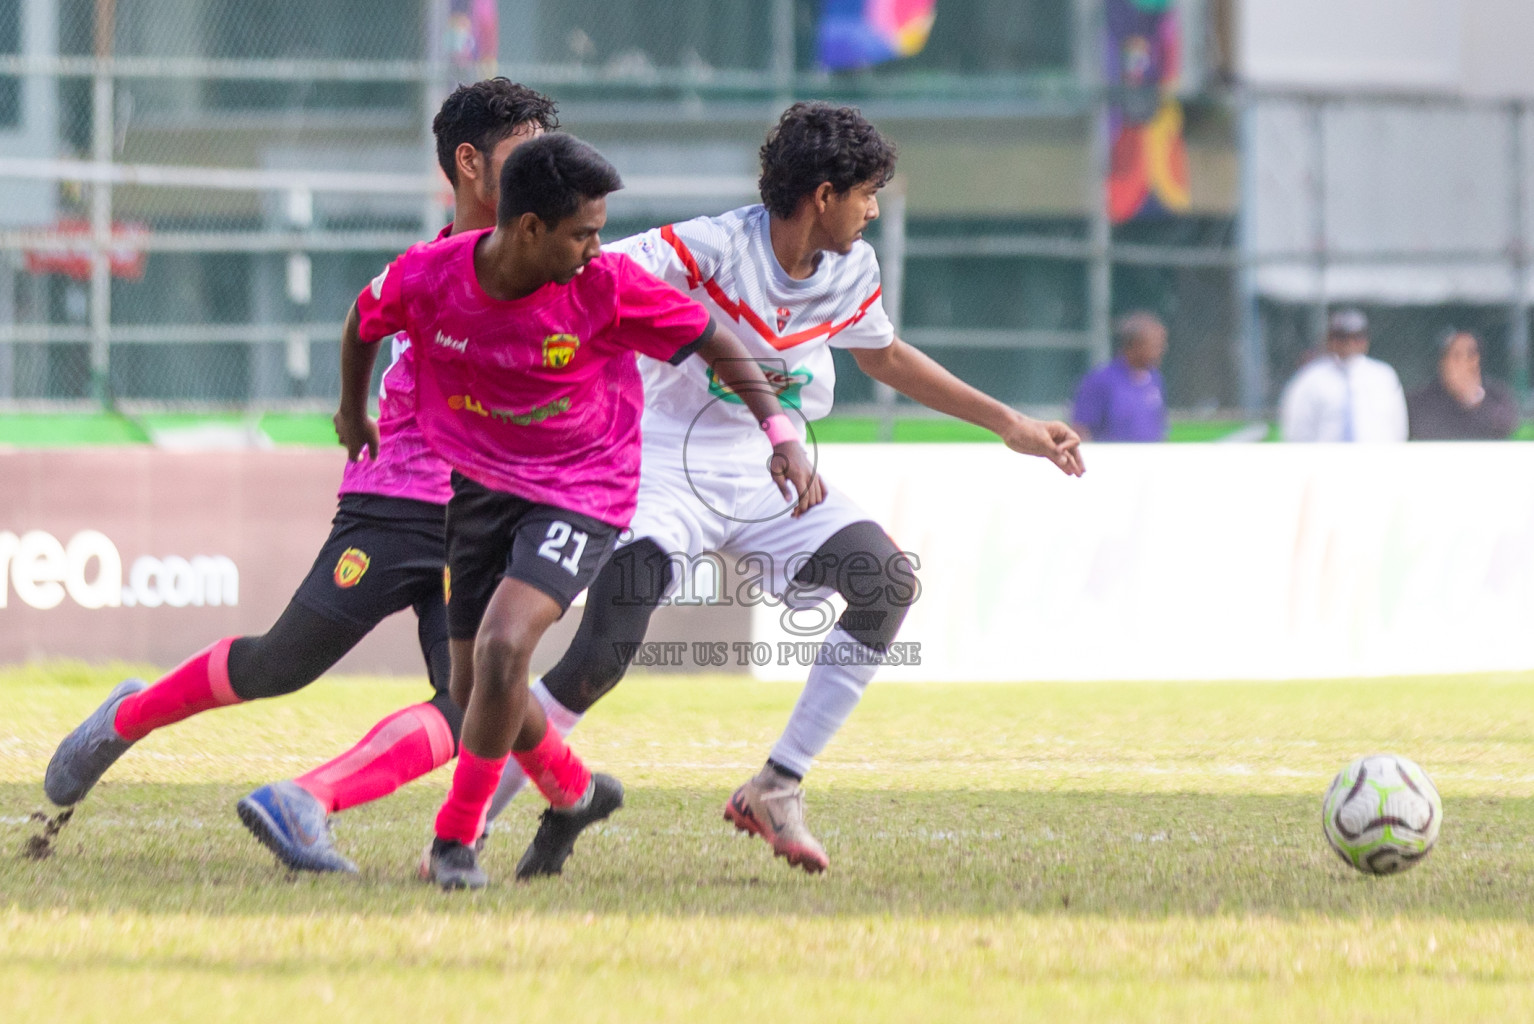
(739, 513)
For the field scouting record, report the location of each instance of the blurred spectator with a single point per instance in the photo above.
(1121, 400)
(1344, 395)
(1458, 405)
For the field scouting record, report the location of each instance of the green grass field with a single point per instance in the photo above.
(999, 852)
(67, 430)
(314, 430)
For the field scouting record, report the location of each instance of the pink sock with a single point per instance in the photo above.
(555, 770)
(402, 747)
(463, 812)
(199, 683)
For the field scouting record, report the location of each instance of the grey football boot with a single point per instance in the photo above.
(85, 754)
(455, 866)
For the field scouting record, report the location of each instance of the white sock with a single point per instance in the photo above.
(561, 719)
(830, 694)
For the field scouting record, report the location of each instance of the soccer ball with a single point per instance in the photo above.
(1381, 814)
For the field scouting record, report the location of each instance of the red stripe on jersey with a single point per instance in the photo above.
(694, 275)
(739, 311)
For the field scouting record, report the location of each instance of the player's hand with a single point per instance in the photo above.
(357, 432)
(792, 472)
(1050, 440)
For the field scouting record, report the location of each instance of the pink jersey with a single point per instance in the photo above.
(539, 396)
(406, 466)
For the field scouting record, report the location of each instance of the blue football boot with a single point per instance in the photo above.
(291, 823)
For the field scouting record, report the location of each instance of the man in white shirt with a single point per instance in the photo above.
(1343, 395)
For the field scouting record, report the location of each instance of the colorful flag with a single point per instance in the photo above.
(860, 33)
(1148, 170)
(473, 30)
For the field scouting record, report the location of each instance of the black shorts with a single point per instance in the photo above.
(493, 535)
(383, 555)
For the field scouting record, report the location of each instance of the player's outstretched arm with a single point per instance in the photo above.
(354, 427)
(918, 376)
(790, 464)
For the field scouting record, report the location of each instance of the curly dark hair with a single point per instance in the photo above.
(815, 142)
(484, 113)
(550, 176)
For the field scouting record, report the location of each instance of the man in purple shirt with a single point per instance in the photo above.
(1121, 400)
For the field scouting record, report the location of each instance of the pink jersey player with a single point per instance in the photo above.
(525, 340)
(537, 396)
(386, 552)
(406, 466)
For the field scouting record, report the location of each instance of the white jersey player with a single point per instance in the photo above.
(697, 444)
(795, 279)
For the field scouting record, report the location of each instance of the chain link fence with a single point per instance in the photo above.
(192, 191)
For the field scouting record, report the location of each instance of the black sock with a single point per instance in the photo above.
(787, 773)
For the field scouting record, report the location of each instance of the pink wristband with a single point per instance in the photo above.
(779, 429)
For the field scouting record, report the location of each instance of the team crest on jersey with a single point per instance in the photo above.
(351, 567)
(783, 314)
(559, 350)
(786, 384)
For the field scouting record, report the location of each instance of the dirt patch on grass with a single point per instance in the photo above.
(40, 847)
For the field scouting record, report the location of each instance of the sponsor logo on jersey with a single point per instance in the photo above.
(537, 414)
(783, 314)
(559, 350)
(351, 567)
(466, 403)
(456, 344)
(786, 384)
(376, 285)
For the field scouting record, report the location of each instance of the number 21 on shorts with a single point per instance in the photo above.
(553, 546)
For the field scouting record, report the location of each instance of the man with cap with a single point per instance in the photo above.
(1343, 395)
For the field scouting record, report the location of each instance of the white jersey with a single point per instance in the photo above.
(788, 326)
